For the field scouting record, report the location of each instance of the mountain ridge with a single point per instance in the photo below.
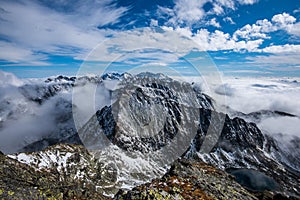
(240, 144)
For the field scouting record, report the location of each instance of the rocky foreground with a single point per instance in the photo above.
(71, 172)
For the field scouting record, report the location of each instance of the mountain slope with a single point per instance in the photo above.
(68, 171)
(239, 145)
(151, 122)
(189, 180)
(49, 175)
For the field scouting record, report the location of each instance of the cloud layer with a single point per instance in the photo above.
(275, 94)
(24, 121)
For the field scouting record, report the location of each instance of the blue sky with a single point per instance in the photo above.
(242, 37)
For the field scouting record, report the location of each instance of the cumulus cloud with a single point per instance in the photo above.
(283, 20)
(294, 29)
(261, 28)
(213, 22)
(217, 9)
(191, 12)
(185, 12)
(165, 45)
(296, 11)
(219, 40)
(143, 46)
(250, 31)
(27, 126)
(249, 37)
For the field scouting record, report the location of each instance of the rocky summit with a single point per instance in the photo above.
(127, 145)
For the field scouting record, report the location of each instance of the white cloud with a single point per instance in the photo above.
(153, 22)
(34, 27)
(16, 54)
(51, 30)
(219, 5)
(228, 19)
(287, 22)
(168, 42)
(226, 3)
(185, 12)
(225, 89)
(261, 28)
(295, 29)
(276, 94)
(218, 9)
(247, 2)
(283, 125)
(276, 60)
(287, 48)
(219, 40)
(213, 22)
(9, 79)
(190, 12)
(257, 30)
(145, 45)
(283, 20)
(24, 121)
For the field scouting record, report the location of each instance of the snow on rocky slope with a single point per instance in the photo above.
(135, 139)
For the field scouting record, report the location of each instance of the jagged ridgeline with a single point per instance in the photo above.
(149, 111)
(151, 121)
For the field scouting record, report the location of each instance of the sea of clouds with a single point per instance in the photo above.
(276, 94)
(23, 121)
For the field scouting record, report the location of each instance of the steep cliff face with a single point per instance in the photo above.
(149, 112)
(237, 144)
(242, 145)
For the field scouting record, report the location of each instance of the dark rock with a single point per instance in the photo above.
(189, 180)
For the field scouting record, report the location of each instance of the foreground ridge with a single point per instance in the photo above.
(189, 180)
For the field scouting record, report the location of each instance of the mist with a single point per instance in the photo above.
(255, 94)
(24, 121)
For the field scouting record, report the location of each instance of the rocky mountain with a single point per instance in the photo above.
(189, 180)
(152, 121)
(48, 105)
(71, 172)
(58, 172)
(240, 144)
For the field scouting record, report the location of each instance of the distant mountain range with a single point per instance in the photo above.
(150, 113)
